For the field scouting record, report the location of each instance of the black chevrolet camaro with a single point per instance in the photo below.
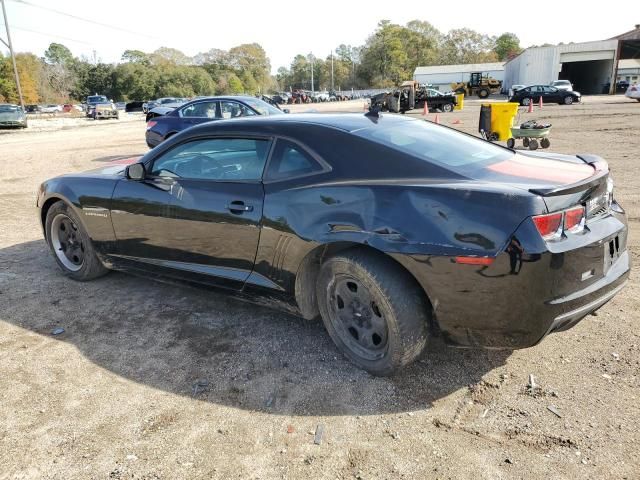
(391, 229)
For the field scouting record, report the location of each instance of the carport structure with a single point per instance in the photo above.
(587, 65)
(628, 48)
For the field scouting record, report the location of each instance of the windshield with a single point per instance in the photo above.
(9, 108)
(436, 144)
(96, 99)
(262, 107)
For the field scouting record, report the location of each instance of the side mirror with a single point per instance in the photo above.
(135, 171)
(286, 110)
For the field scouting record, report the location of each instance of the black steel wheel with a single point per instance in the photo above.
(447, 107)
(70, 244)
(376, 314)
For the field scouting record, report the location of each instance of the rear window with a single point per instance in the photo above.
(436, 144)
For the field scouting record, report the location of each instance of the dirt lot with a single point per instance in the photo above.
(116, 395)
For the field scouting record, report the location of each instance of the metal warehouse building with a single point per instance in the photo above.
(442, 76)
(588, 65)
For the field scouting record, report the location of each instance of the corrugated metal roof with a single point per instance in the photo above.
(630, 35)
(463, 68)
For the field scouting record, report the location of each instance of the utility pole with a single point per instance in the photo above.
(13, 57)
(311, 58)
(332, 71)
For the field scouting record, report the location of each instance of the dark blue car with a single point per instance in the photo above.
(203, 110)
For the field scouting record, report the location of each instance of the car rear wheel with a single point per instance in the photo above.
(447, 107)
(568, 100)
(71, 245)
(374, 311)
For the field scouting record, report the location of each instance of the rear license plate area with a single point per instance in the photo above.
(612, 250)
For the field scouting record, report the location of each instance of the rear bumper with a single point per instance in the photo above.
(525, 294)
(153, 139)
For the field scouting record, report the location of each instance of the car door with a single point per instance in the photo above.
(233, 109)
(215, 209)
(199, 112)
(552, 95)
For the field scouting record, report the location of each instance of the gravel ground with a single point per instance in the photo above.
(154, 381)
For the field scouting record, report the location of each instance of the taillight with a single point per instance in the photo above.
(474, 260)
(574, 219)
(151, 124)
(550, 225)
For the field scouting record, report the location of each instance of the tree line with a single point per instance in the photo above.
(388, 56)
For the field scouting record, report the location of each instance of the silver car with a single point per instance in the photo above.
(562, 85)
(12, 116)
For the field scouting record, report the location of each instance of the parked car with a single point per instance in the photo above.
(33, 108)
(164, 101)
(389, 228)
(437, 100)
(92, 101)
(320, 97)
(105, 110)
(12, 116)
(562, 85)
(633, 92)
(121, 105)
(526, 95)
(51, 108)
(204, 110)
(514, 88)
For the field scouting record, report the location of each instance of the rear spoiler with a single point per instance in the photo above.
(602, 171)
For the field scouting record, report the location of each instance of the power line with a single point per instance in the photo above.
(82, 19)
(51, 35)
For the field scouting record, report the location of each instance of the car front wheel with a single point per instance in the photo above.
(447, 107)
(376, 314)
(568, 100)
(71, 245)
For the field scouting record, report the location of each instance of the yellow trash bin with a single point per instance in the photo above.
(502, 116)
(459, 101)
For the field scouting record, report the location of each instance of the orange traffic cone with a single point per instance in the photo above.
(456, 122)
(437, 119)
(540, 102)
(425, 110)
(530, 109)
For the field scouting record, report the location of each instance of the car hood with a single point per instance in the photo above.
(4, 116)
(115, 167)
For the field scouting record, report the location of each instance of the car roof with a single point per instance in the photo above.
(348, 122)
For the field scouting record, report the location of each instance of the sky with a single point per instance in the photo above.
(284, 29)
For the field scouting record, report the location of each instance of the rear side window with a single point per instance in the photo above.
(432, 143)
(290, 160)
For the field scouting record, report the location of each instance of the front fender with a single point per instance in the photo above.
(90, 198)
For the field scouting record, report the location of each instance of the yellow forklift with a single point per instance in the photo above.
(480, 85)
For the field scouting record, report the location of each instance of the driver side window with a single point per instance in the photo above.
(220, 159)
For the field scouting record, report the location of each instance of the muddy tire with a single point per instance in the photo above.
(374, 311)
(71, 245)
